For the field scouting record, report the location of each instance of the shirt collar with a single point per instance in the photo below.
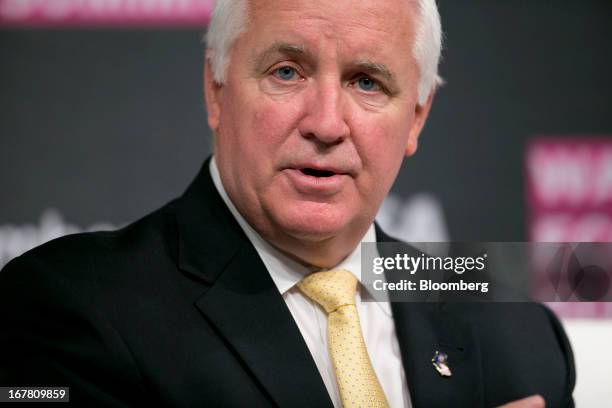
(286, 272)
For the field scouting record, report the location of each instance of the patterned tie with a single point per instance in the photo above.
(335, 292)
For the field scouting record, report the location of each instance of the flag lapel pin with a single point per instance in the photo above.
(440, 363)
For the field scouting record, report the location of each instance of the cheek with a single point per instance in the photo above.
(261, 135)
(268, 125)
(251, 135)
(382, 147)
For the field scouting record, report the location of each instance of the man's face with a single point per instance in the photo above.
(317, 111)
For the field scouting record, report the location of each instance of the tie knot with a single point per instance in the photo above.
(330, 289)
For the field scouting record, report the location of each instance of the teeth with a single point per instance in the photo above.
(317, 173)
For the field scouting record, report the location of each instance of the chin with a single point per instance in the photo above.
(313, 221)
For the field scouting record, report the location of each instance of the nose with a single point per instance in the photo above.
(325, 117)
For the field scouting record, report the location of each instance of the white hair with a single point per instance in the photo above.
(228, 21)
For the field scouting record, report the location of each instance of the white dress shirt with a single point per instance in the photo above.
(376, 319)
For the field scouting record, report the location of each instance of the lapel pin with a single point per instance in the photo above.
(439, 361)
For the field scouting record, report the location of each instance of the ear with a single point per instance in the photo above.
(420, 116)
(212, 94)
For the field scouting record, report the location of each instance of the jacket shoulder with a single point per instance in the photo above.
(83, 256)
(60, 304)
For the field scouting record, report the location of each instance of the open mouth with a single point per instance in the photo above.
(317, 173)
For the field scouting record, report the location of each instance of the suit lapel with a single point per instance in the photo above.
(245, 306)
(424, 328)
(241, 301)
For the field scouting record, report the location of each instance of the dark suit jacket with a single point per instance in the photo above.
(177, 309)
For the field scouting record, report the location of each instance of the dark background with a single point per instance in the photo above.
(107, 125)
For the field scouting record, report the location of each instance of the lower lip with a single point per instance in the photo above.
(306, 184)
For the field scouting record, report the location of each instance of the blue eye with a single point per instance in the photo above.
(285, 73)
(368, 84)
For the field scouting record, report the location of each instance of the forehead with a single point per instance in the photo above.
(374, 27)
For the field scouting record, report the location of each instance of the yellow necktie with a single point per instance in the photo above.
(335, 292)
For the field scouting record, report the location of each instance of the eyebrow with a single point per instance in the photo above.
(282, 48)
(374, 68)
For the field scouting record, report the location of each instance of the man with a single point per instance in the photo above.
(224, 296)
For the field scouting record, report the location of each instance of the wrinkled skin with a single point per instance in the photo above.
(325, 86)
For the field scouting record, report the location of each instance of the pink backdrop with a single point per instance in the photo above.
(88, 13)
(569, 198)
